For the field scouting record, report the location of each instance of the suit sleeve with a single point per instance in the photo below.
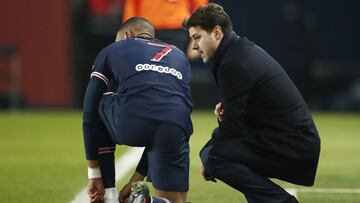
(234, 83)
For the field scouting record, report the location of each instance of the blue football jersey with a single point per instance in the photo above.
(151, 81)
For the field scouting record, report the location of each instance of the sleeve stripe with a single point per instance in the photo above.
(101, 76)
(105, 150)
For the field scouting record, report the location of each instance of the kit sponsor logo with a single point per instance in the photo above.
(160, 69)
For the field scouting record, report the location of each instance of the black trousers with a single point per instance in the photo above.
(256, 188)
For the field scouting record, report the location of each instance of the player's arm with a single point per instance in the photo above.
(91, 119)
(92, 130)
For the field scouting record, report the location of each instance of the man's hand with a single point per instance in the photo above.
(96, 190)
(219, 111)
(205, 175)
(125, 192)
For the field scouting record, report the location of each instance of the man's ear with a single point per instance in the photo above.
(129, 34)
(217, 32)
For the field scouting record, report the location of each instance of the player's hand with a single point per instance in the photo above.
(125, 193)
(219, 111)
(96, 190)
(205, 175)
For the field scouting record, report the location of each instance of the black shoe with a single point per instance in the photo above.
(139, 193)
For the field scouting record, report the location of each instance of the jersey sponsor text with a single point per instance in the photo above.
(160, 69)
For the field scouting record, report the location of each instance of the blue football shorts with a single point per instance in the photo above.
(166, 147)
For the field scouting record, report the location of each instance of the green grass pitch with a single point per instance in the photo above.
(42, 158)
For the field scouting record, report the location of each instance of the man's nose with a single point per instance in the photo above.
(195, 46)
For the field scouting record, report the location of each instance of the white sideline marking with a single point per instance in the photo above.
(324, 190)
(295, 191)
(131, 158)
(122, 167)
(292, 191)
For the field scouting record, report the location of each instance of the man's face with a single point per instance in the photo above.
(205, 43)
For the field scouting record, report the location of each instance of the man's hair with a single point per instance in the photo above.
(139, 25)
(209, 16)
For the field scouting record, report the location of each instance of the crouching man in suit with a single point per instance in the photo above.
(265, 128)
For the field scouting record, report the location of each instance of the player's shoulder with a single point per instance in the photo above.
(112, 47)
(136, 43)
(105, 51)
(132, 42)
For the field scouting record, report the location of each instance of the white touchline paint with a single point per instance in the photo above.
(292, 191)
(295, 191)
(324, 190)
(126, 162)
(123, 165)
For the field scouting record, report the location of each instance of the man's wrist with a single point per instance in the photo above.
(94, 172)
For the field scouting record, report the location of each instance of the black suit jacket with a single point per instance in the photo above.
(266, 123)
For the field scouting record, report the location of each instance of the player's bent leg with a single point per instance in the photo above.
(169, 163)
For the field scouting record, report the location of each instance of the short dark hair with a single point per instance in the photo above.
(209, 16)
(138, 24)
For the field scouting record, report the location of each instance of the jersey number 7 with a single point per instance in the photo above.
(158, 56)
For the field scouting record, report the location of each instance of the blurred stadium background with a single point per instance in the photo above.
(46, 53)
(47, 48)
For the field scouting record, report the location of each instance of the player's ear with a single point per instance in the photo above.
(122, 35)
(129, 34)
